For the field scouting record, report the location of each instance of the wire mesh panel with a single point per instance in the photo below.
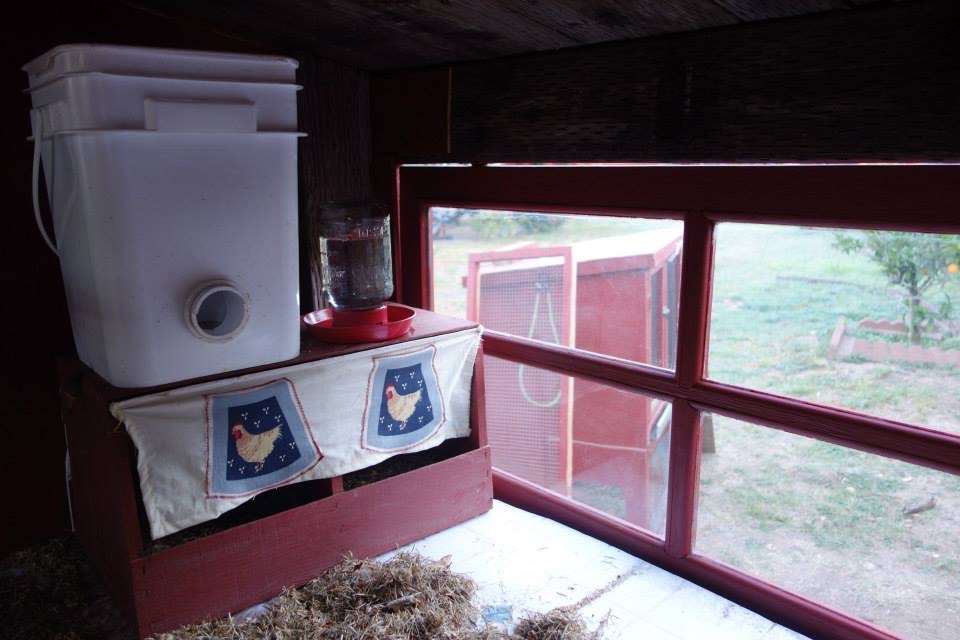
(527, 424)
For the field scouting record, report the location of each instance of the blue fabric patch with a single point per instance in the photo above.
(258, 439)
(501, 613)
(405, 406)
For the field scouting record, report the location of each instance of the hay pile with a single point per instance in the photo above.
(405, 598)
(557, 624)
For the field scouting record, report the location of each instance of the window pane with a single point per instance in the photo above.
(864, 534)
(601, 446)
(859, 320)
(607, 285)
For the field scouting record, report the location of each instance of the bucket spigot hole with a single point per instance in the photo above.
(217, 311)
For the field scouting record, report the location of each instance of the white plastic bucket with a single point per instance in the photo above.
(172, 176)
(108, 101)
(146, 61)
(178, 250)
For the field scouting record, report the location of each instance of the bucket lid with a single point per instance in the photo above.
(151, 61)
(187, 82)
(150, 132)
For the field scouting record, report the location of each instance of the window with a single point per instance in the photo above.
(859, 532)
(863, 320)
(566, 434)
(603, 284)
(788, 443)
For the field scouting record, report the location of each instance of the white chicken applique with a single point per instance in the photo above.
(254, 447)
(401, 407)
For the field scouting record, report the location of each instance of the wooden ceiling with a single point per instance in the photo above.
(392, 34)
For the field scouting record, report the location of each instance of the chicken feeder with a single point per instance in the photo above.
(172, 179)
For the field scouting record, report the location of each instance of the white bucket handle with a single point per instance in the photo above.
(37, 119)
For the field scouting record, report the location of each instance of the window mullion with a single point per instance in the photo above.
(691, 354)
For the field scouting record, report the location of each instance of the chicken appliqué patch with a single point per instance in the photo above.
(257, 439)
(404, 402)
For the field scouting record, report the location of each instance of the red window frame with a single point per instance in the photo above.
(899, 197)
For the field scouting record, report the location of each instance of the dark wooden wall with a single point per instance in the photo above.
(335, 160)
(882, 83)
(33, 322)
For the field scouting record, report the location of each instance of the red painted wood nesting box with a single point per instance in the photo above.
(617, 297)
(283, 537)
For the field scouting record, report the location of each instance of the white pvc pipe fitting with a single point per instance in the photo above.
(217, 311)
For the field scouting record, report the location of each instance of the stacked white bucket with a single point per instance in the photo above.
(172, 177)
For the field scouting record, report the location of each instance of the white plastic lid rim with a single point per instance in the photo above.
(216, 311)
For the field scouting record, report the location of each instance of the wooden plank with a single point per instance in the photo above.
(586, 365)
(894, 197)
(478, 404)
(592, 21)
(765, 10)
(844, 85)
(694, 315)
(103, 495)
(423, 32)
(684, 479)
(909, 443)
(380, 35)
(685, 431)
(251, 563)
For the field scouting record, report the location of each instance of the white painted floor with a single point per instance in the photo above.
(523, 562)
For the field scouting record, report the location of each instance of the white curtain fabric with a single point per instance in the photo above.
(204, 449)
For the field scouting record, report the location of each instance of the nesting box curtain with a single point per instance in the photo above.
(207, 448)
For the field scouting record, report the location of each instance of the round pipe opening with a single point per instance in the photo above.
(217, 311)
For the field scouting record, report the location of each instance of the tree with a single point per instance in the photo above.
(918, 264)
(504, 224)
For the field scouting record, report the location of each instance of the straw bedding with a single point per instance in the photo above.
(405, 598)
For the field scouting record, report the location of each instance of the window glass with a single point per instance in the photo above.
(601, 446)
(603, 284)
(868, 535)
(864, 320)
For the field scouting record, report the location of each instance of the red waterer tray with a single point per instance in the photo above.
(386, 322)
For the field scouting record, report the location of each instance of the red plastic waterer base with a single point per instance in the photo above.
(386, 322)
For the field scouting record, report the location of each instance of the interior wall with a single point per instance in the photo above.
(34, 322)
(878, 84)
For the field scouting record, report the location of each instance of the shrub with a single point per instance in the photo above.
(499, 224)
(917, 264)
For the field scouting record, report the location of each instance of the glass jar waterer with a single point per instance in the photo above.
(357, 270)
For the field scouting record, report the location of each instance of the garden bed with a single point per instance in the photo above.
(891, 345)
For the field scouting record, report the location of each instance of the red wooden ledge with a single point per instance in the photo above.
(251, 563)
